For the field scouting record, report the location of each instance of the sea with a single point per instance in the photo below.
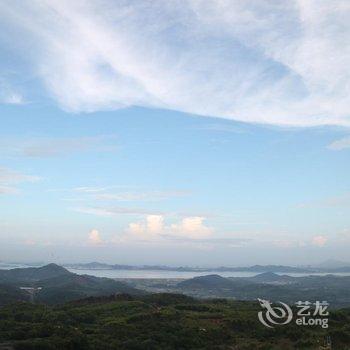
(162, 274)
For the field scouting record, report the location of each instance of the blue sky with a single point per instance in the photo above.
(190, 133)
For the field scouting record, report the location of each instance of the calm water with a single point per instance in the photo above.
(179, 274)
(155, 273)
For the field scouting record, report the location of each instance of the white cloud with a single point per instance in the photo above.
(192, 227)
(270, 62)
(319, 241)
(136, 228)
(155, 223)
(339, 145)
(150, 229)
(94, 238)
(154, 229)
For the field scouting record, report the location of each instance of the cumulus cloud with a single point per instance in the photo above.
(146, 231)
(154, 228)
(155, 223)
(95, 238)
(192, 227)
(10, 178)
(254, 61)
(319, 241)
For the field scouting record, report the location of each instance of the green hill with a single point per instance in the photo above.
(72, 287)
(57, 284)
(32, 274)
(205, 282)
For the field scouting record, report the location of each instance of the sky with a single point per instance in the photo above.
(175, 133)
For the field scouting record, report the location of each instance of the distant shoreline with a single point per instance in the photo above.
(253, 269)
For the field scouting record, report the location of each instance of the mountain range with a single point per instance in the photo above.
(331, 266)
(270, 286)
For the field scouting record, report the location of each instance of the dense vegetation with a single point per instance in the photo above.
(158, 321)
(72, 312)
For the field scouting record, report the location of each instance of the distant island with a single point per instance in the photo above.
(330, 266)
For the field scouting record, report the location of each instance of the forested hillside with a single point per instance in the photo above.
(54, 284)
(158, 322)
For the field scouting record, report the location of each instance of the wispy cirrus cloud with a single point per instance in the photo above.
(9, 179)
(341, 200)
(268, 62)
(12, 99)
(141, 196)
(44, 147)
(8, 95)
(89, 190)
(115, 211)
(339, 145)
(11, 176)
(112, 211)
(8, 189)
(231, 242)
(119, 194)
